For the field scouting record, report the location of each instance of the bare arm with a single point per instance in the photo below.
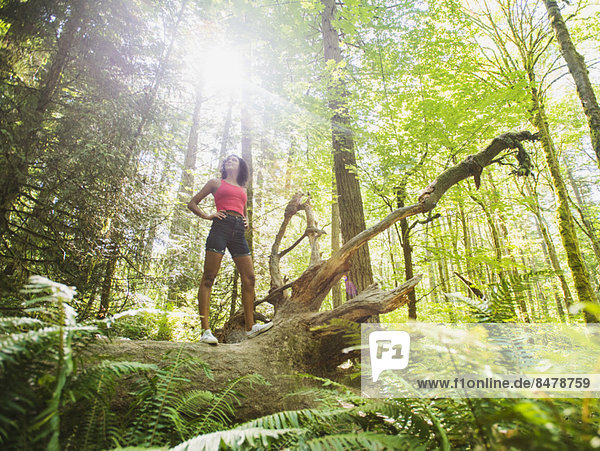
(246, 225)
(207, 189)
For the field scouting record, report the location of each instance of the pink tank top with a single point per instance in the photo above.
(230, 197)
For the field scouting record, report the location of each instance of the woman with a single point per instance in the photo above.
(228, 226)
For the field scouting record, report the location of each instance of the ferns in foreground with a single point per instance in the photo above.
(43, 383)
(154, 420)
(165, 412)
(415, 424)
(500, 302)
(356, 423)
(36, 361)
(92, 391)
(39, 378)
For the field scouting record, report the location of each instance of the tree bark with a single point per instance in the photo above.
(578, 70)
(181, 223)
(226, 131)
(407, 253)
(352, 219)
(466, 236)
(587, 226)
(336, 291)
(274, 259)
(312, 232)
(566, 224)
(246, 124)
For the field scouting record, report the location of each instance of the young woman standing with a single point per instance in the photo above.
(229, 224)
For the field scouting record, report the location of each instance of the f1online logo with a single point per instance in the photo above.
(389, 350)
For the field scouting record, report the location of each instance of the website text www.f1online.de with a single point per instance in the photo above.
(517, 383)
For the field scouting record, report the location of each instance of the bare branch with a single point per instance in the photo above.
(368, 303)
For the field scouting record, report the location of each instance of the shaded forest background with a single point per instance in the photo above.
(113, 113)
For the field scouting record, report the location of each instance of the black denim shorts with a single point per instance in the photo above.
(228, 233)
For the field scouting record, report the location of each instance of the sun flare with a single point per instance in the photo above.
(221, 67)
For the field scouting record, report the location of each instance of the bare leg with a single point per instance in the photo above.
(246, 269)
(212, 263)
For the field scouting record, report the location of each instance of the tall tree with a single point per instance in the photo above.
(578, 69)
(352, 218)
(407, 251)
(181, 221)
(588, 225)
(59, 219)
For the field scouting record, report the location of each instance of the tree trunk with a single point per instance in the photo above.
(441, 264)
(430, 266)
(587, 226)
(352, 219)
(336, 291)
(549, 248)
(109, 272)
(226, 130)
(181, 222)
(466, 241)
(566, 224)
(579, 71)
(233, 306)
(495, 237)
(455, 260)
(393, 264)
(407, 253)
(312, 232)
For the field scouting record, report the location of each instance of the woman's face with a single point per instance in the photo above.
(231, 165)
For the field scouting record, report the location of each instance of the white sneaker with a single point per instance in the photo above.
(208, 337)
(258, 329)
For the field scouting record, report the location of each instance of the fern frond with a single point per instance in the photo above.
(160, 419)
(97, 385)
(331, 393)
(24, 345)
(222, 408)
(413, 417)
(165, 387)
(16, 323)
(399, 409)
(193, 401)
(67, 324)
(86, 381)
(299, 419)
(237, 439)
(366, 440)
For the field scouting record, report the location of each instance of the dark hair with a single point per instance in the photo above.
(242, 177)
